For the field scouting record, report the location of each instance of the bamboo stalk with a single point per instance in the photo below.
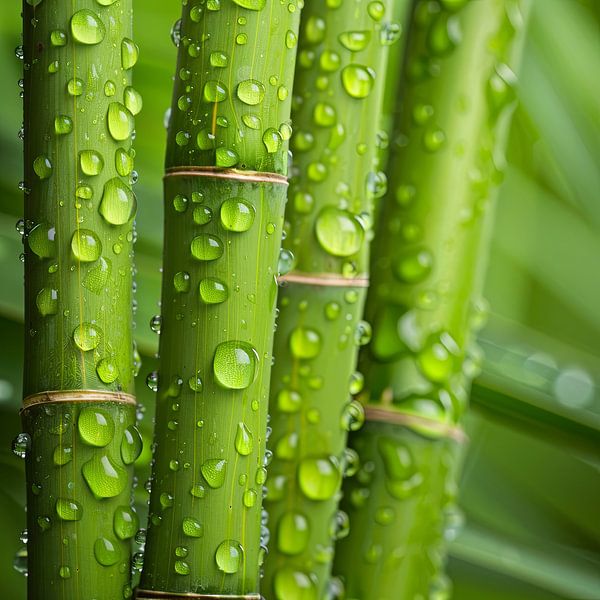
(424, 304)
(80, 437)
(340, 81)
(225, 190)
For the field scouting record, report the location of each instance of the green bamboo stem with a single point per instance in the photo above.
(225, 192)
(343, 51)
(79, 207)
(424, 303)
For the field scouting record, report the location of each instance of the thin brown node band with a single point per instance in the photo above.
(218, 173)
(150, 595)
(389, 415)
(77, 397)
(324, 279)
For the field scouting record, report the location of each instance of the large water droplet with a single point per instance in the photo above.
(305, 342)
(213, 291)
(86, 245)
(206, 247)
(47, 301)
(42, 167)
(107, 551)
(120, 121)
(319, 478)
(86, 336)
(235, 364)
(355, 41)
(41, 240)
(293, 533)
(129, 53)
(339, 232)
(104, 476)
(251, 92)
(290, 584)
(68, 510)
(214, 471)
(125, 522)
(357, 80)
(192, 527)
(118, 204)
(237, 215)
(96, 427)
(91, 162)
(229, 556)
(243, 440)
(131, 445)
(21, 445)
(87, 27)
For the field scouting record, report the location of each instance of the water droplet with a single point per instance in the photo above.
(152, 381)
(155, 323)
(181, 567)
(86, 245)
(68, 510)
(41, 240)
(131, 445)
(353, 416)
(129, 53)
(251, 4)
(182, 282)
(319, 478)
(58, 38)
(97, 276)
(91, 162)
(214, 471)
(64, 571)
(225, 157)
(237, 215)
(214, 91)
(42, 167)
(107, 370)
(218, 59)
(286, 261)
(104, 477)
(192, 527)
(243, 440)
(96, 426)
(106, 551)
(355, 41)
(20, 561)
(120, 121)
(47, 301)
(202, 215)
(332, 310)
(206, 247)
(197, 491)
(86, 336)
(433, 139)
(21, 445)
(272, 140)
(414, 265)
(75, 87)
(357, 80)
(290, 584)
(252, 121)
(376, 10)
(87, 27)
(213, 291)
(305, 343)
(229, 554)
(289, 401)
(133, 100)
(62, 455)
(339, 232)
(251, 92)
(235, 364)
(249, 498)
(63, 125)
(125, 522)
(324, 115)
(315, 29)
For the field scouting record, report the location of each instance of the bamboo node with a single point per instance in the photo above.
(77, 397)
(219, 173)
(324, 279)
(391, 415)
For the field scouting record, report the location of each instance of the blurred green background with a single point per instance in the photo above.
(531, 483)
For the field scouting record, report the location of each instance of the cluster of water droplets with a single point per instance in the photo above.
(215, 118)
(106, 446)
(103, 178)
